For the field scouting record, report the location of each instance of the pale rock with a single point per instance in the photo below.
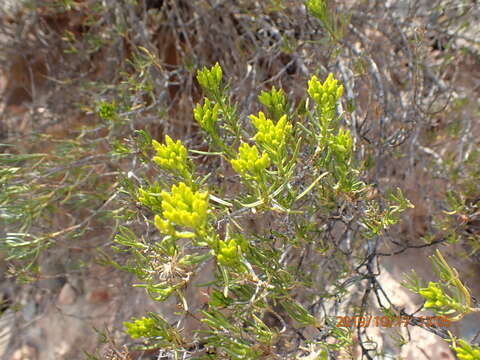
(426, 343)
(26, 352)
(67, 295)
(7, 321)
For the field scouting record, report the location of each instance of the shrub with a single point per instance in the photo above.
(267, 286)
(280, 208)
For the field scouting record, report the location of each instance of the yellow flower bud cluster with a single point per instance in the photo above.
(274, 101)
(342, 143)
(249, 161)
(437, 300)
(164, 226)
(271, 136)
(210, 79)
(207, 116)
(144, 327)
(182, 207)
(171, 156)
(465, 351)
(230, 251)
(325, 95)
(107, 111)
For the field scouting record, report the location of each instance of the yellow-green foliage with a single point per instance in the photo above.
(274, 101)
(436, 298)
(249, 162)
(210, 79)
(343, 144)
(251, 271)
(229, 252)
(207, 116)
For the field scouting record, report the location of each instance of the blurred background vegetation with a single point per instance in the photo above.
(86, 84)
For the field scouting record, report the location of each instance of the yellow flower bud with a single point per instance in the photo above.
(249, 163)
(171, 156)
(184, 207)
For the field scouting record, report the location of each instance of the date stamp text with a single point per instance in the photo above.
(388, 322)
